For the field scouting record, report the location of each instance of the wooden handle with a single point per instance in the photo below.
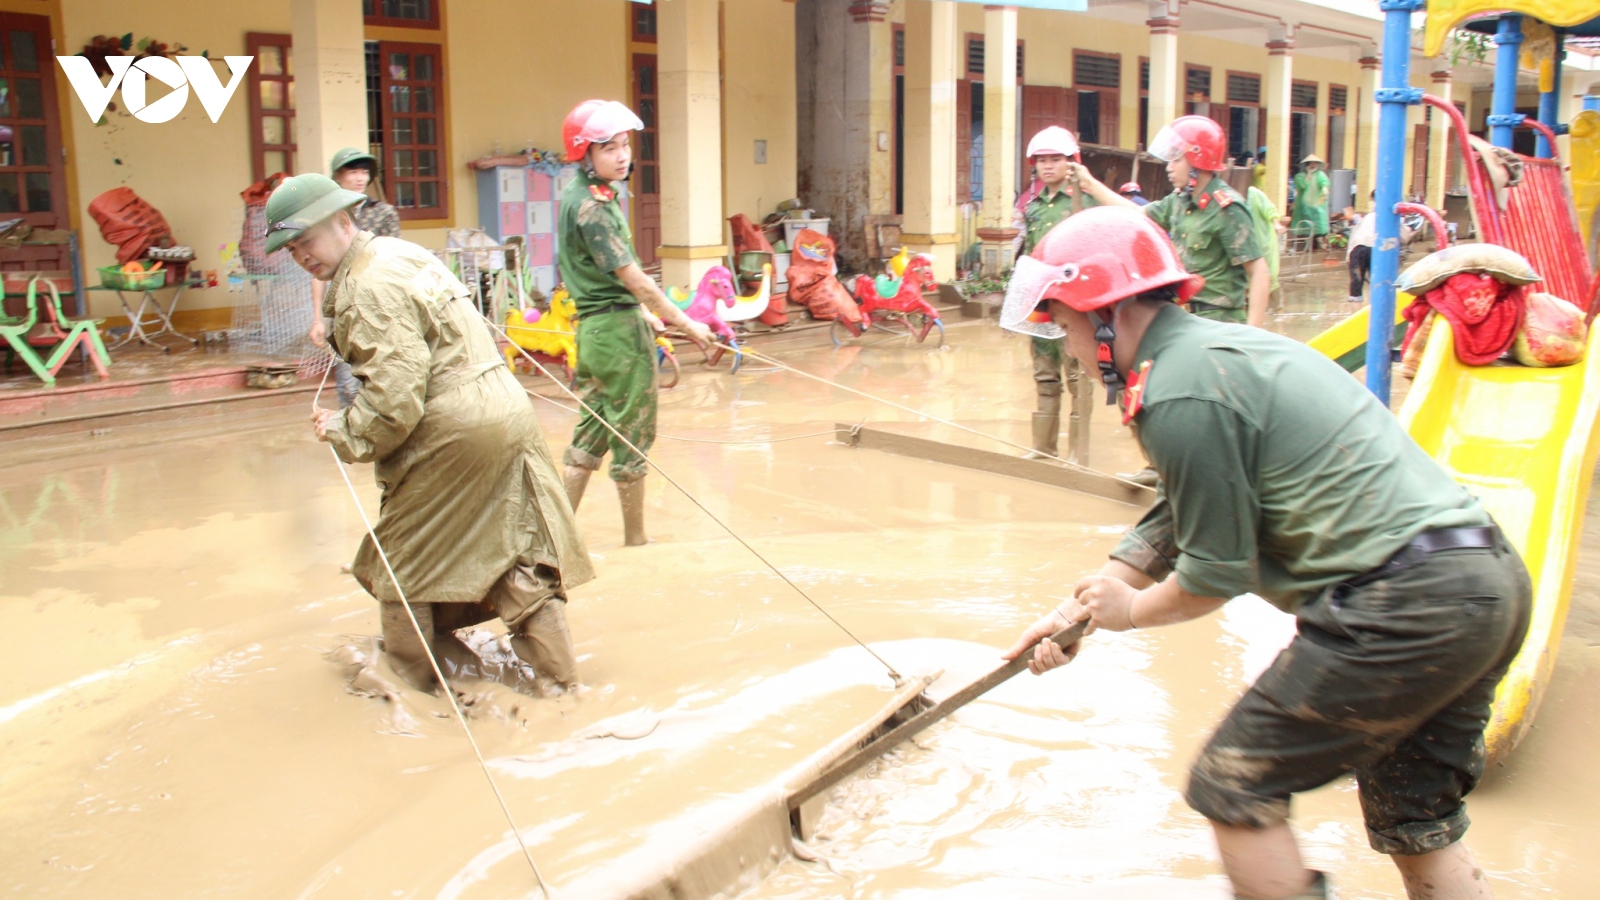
(1064, 638)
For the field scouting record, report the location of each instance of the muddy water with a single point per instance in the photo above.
(170, 726)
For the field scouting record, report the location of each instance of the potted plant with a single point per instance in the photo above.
(981, 293)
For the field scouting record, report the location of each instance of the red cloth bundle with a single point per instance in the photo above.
(1483, 313)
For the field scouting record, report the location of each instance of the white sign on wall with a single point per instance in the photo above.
(132, 76)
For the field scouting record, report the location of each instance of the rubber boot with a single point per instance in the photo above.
(406, 654)
(631, 493)
(543, 641)
(1081, 389)
(576, 480)
(1046, 428)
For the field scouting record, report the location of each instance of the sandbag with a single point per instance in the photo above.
(1427, 273)
(127, 221)
(1552, 333)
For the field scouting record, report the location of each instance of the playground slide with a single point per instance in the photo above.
(1346, 342)
(1524, 441)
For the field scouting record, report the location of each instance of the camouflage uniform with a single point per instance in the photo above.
(1051, 366)
(1215, 236)
(616, 350)
(378, 217)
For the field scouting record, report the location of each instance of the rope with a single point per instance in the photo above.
(432, 661)
(701, 506)
(689, 440)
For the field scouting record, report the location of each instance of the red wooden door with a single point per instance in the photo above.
(1046, 106)
(1419, 161)
(646, 182)
(33, 183)
(964, 140)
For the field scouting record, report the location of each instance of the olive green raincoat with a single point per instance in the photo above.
(468, 486)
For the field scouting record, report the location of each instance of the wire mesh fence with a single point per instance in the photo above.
(277, 326)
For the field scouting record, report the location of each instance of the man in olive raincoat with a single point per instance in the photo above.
(473, 516)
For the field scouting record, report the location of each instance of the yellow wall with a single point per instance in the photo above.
(189, 168)
(758, 102)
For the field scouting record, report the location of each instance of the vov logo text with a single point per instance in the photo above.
(180, 74)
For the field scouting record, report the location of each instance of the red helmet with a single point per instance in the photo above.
(1119, 253)
(1131, 187)
(595, 122)
(1196, 137)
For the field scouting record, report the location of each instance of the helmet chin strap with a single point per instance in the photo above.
(1105, 335)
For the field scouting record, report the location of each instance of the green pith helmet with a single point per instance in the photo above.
(301, 202)
(351, 155)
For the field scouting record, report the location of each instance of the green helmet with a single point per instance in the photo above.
(351, 155)
(301, 202)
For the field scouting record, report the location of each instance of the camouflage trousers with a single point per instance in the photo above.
(616, 378)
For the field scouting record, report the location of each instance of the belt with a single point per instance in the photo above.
(1198, 305)
(1482, 537)
(610, 308)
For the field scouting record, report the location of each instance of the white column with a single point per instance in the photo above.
(930, 155)
(1367, 132)
(690, 139)
(999, 135)
(1440, 134)
(1280, 76)
(330, 74)
(1164, 73)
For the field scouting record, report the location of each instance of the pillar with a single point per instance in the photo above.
(1440, 135)
(999, 137)
(845, 60)
(1395, 96)
(930, 153)
(691, 140)
(1550, 101)
(1367, 129)
(1164, 73)
(1503, 116)
(1280, 77)
(330, 67)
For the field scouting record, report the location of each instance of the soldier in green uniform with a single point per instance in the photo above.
(1052, 199)
(1208, 221)
(472, 515)
(1281, 476)
(616, 346)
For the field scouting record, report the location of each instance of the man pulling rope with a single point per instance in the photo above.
(472, 515)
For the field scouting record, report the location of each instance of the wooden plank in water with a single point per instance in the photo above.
(848, 765)
(1081, 480)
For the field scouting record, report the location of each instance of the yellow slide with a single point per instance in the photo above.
(1524, 441)
(1346, 342)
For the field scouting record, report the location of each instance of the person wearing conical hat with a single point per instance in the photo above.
(472, 514)
(354, 170)
(1310, 214)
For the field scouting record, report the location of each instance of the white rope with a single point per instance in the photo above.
(895, 675)
(433, 662)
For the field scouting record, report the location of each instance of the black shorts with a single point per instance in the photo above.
(1392, 680)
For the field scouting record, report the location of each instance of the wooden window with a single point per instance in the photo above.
(401, 13)
(32, 180)
(974, 55)
(900, 49)
(642, 20)
(1097, 79)
(1303, 95)
(410, 126)
(1244, 88)
(1144, 100)
(1020, 45)
(1197, 84)
(1338, 97)
(271, 88)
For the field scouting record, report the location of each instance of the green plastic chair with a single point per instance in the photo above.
(23, 338)
(69, 331)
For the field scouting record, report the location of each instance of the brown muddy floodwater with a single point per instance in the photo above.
(170, 726)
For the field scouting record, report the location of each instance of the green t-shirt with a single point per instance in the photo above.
(1280, 474)
(1265, 215)
(1215, 237)
(1047, 210)
(594, 244)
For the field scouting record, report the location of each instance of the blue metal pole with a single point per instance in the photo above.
(1550, 102)
(1503, 110)
(1394, 95)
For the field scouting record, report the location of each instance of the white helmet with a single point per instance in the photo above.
(1053, 139)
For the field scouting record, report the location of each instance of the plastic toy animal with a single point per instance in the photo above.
(887, 298)
(743, 309)
(550, 336)
(707, 305)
